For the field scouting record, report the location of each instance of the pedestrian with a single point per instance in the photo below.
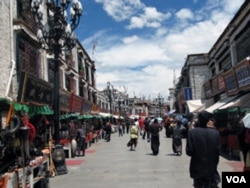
(136, 122)
(178, 132)
(244, 142)
(108, 130)
(119, 128)
(166, 125)
(154, 130)
(123, 126)
(203, 143)
(133, 137)
(127, 122)
(103, 131)
(141, 125)
(146, 129)
(80, 139)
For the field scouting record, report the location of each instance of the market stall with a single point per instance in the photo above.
(92, 125)
(24, 144)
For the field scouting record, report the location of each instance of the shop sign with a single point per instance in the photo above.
(64, 101)
(34, 89)
(95, 108)
(75, 103)
(230, 82)
(242, 72)
(218, 84)
(207, 89)
(214, 86)
(221, 83)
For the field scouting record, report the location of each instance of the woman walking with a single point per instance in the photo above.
(178, 132)
(154, 130)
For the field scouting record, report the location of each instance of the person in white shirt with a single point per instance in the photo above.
(136, 123)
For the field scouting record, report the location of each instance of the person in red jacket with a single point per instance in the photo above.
(141, 125)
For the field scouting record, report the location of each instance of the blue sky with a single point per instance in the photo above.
(141, 45)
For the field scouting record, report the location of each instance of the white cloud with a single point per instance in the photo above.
(145, 61)
(151, 13)
(138, 53)
(184, 14)
(149, 18)
(122, 9)
(130, 39)
(232, 6)
(136, 22)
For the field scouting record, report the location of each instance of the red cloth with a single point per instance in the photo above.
(64, 141)
(233, 142)
(141, 122)
(32, 129)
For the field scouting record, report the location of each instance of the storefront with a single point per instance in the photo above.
(230, 114)
(219, 104)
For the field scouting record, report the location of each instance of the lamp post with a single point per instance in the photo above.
(119, 107)
(112, 94)
(109, 88)
(160, 100)
(56, 35)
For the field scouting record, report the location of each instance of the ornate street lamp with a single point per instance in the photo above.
(112, 94)
(120, 100)
(108, 93)
(56, 35)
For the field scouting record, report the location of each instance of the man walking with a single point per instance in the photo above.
(154, 130)
(203, 144)
(80, 139)
(146, 129)
(127, 122)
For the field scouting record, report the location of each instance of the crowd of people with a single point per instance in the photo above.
(203, 143)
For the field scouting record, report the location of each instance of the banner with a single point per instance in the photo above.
(188, 93)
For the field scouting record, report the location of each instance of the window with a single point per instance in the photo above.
(28, 57)
(243, 43)
(50, 70)
(81, 91)
(24, 13)
(87, 73)
(67, 82)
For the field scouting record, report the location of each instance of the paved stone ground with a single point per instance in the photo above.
(113, 165)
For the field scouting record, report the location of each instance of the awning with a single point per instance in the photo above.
(219, 104)
(29, 108)
(116, 116)
(86, 116)
(104, 114)
(69, 116)
(194, 105)
(242, 102)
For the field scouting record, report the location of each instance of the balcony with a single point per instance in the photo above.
(26, 18)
